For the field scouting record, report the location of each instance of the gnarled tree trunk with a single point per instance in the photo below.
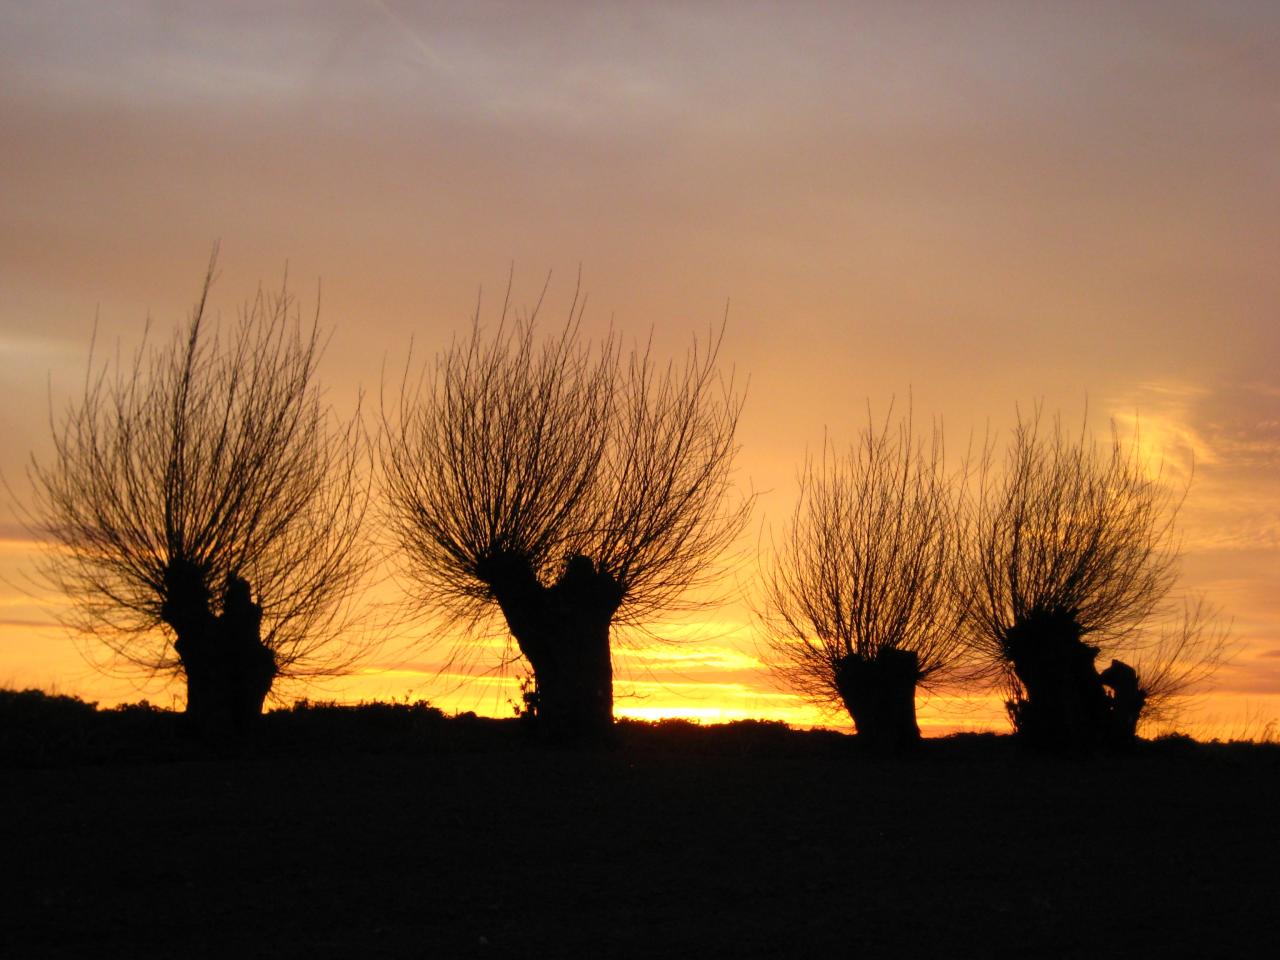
(563, 631)
(880, 695)
(1065, 707)
(229, 669)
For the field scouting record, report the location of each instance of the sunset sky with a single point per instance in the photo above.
(984, 205)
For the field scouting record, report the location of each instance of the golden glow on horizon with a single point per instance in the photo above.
(44, 657)
(708, 670)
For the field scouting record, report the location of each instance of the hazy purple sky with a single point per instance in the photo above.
(983, 203)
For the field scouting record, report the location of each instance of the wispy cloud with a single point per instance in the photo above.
(1228, 435)
(34, 348)
(25, 622)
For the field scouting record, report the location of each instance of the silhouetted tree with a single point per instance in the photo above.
(189, 480)
(571, 488)
(1072, 554)
(857, 601)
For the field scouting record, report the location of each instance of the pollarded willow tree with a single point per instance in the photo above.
(570, 487)
(1073, 553)
(200, 475)
(857, 603)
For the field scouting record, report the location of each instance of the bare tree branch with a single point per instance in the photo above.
(213, 454)
(1076, 542)
(864, 571)
(519, 456)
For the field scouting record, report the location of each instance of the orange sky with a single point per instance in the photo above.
(983, 203)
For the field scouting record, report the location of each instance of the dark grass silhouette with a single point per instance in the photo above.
(40, 730)
(464, 837)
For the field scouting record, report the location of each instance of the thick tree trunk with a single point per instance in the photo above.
(880, 695)
(229, 669)
(563, 631)
(1064, 707)
(573, 672)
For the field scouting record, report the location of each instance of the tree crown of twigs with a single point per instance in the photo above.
(1085, 533)
(865, 564)
(214, 452)
(520, 446)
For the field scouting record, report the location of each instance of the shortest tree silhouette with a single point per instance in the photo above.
(1073, 555)
(191, 479)
(857, 602)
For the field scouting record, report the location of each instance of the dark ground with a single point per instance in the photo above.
(397, 832)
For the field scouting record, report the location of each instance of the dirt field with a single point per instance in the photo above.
(468, 840)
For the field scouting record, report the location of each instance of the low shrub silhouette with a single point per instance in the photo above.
(38, 729)
(374, 727)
